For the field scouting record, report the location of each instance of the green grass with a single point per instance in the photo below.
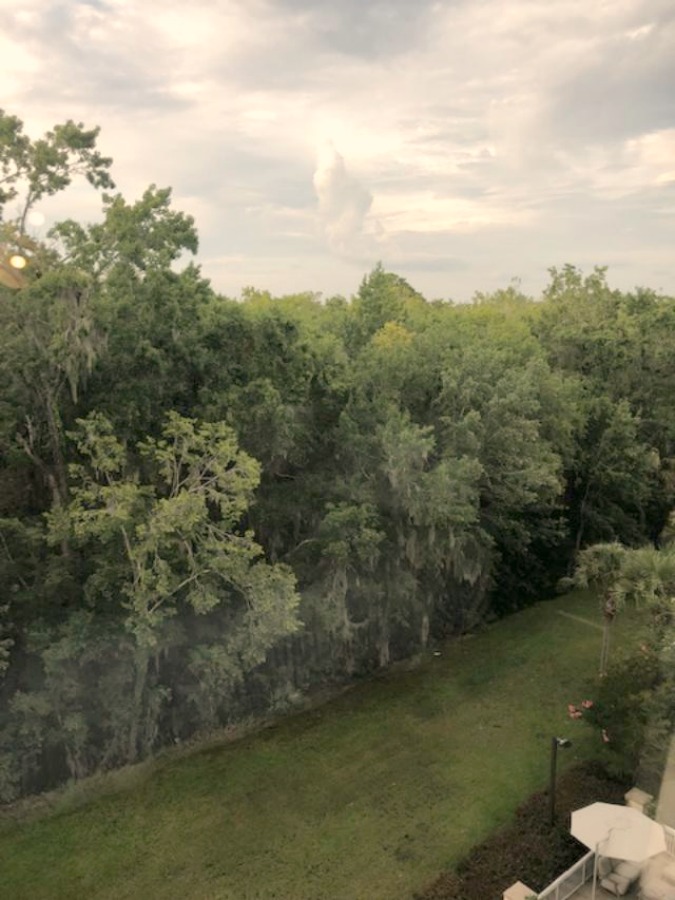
(370, 796)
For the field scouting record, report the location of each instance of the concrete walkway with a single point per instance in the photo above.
(586, 893)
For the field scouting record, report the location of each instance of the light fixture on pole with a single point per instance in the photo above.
(555, 743)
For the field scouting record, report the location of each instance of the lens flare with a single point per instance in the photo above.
(17, 262)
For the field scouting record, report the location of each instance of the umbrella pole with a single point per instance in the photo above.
(595, 869)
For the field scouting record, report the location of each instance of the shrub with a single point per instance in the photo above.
(621, 710)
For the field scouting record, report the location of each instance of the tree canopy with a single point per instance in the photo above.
(208, 504)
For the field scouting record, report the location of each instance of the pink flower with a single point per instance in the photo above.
(605, 736)
(571, 708)
(587, 704)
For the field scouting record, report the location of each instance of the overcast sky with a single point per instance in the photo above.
(463, 143)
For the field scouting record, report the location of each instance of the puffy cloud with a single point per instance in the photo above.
(655, 155)
(344, 205)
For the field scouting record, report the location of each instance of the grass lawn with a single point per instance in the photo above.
(370, 796)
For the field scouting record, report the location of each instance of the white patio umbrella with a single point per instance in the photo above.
(620, 832)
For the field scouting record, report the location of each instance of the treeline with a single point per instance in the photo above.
(208, 505)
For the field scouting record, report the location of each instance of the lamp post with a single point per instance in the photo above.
(555, 743)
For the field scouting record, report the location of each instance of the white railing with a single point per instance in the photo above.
(670, 839)
(582, 871)
(571, 880)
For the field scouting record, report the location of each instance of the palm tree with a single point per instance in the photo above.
(599, 567)
(644, 576)
(647, 578)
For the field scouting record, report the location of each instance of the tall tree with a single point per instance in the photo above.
(162, 532)
(618, 484)
(33, 169)
(50, 343)
(383, 297)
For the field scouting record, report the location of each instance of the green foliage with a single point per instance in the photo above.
(175, 535)
(350, 532)
(635, 704)
(6, 642)
(647, 576)
(616, 345)
(163, 541)
(621, 709)
(46, 166)
(383, 298)
(598, 566)
(141, 236)
(412, 467)
(613, 477)
(23, 572)
(50, 345)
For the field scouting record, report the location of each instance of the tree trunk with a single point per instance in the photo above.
(424, 634)
(581, 527)
(383, 641)
(58, 478)
(60, 469)
(604, 650)
(142, 662)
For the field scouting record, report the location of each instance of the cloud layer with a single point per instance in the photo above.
(463, 142)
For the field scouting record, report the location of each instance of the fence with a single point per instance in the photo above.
(571, 880)
(582, 871)
(670, 839)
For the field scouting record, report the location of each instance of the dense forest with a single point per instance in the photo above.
(208, 505)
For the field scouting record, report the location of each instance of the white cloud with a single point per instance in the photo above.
(623, 170)
(496, 130)
(426, 213)
(636, 34)
(655, 156)
(344, 205)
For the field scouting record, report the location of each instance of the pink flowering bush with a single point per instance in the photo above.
(619, 710)
(575, 713)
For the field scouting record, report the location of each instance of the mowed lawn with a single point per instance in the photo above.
(370, 796)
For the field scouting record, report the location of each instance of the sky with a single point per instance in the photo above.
(465, 144)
